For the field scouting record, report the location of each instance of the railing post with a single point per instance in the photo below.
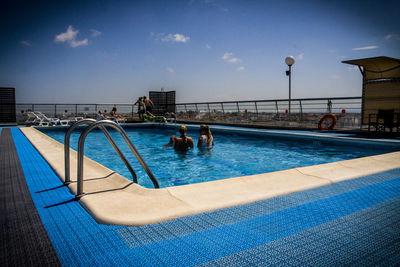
(237, 104)
(301, 110)
(208, 106)
(197, 110)
(76, 109)
(222, 106)
(33, 107)
(255, 104)
(329, 106)
(55, 110)
(276, 106)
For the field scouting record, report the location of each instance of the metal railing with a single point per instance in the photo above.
(77, 110)
(81, 144)
(305, 112)
(301, 105)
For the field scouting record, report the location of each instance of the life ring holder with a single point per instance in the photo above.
(327, 116)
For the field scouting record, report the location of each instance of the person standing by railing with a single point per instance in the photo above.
(141, 107)
(149, 105)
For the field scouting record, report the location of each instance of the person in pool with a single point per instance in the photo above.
(181, 143)
(206, 139)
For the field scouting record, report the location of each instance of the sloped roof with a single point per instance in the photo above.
(378, 67)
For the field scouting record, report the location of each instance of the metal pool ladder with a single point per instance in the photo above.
(92, 124)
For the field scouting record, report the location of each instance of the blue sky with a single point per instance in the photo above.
(206, 50)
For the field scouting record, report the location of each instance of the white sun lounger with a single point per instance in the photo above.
(102, 117)
(69, 120)
(40, 119)
(51, 121)
(35, 119)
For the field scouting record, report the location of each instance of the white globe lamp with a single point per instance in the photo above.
(289, 60)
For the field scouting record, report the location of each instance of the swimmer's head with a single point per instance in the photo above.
(182, 129)
(204, 128)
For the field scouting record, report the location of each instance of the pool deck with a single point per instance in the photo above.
(353, 222)
(113, 199)
(22, 228)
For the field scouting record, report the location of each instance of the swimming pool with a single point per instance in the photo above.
(237, 153)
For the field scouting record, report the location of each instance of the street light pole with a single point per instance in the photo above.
(290, 86)
(289, 61)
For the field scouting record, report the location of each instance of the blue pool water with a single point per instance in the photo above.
(233, 155)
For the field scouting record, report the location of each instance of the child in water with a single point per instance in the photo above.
(206, 139)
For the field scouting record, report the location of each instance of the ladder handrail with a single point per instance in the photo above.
(67, 173)
(122, 132)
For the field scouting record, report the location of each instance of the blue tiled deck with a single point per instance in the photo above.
(353, 222)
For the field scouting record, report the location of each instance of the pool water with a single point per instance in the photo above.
(233, 155)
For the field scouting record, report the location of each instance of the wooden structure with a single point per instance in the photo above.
(380, 108)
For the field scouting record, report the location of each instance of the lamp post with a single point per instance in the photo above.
(289, 61)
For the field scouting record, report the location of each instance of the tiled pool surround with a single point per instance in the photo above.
(112, 199)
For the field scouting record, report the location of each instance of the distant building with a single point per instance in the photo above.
(380, 91)
(7, 104)
(163, 101)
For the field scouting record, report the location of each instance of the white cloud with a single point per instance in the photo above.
(95, 33)
(212, 3)
(170, 70)
(70, 37)
(392, 36)
(352, 68)
(366, 47)
(25, 43)
(228, 57)
(300, 57)
(177, 37)
(75, 43)
(240, 68)
(208, 46)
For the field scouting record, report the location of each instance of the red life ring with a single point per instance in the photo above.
(331, 117)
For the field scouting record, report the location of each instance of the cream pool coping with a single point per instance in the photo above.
(113, 199)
